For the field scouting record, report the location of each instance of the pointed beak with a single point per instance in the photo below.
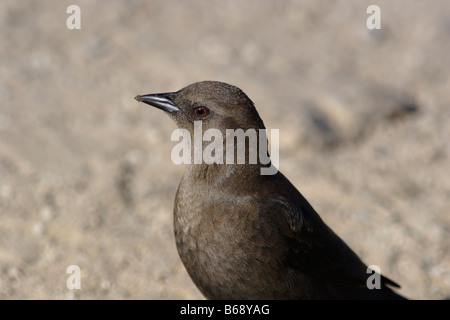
(161, 101)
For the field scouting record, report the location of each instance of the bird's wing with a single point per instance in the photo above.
(314, 249)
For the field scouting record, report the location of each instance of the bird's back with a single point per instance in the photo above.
(262, 242)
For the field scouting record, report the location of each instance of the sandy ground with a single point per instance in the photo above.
(85, 172)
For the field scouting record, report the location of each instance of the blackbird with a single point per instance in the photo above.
(242, 234)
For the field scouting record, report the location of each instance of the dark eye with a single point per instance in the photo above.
(201, 112)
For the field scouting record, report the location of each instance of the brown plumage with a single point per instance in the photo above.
(243, 235)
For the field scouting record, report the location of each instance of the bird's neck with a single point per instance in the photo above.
(216, 175)
(241, 155)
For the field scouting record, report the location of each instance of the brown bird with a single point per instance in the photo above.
(244, 235)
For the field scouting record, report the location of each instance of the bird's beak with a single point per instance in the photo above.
(161, 101)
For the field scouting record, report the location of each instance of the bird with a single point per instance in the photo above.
(244, 235)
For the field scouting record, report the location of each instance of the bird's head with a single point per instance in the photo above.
(216, 104)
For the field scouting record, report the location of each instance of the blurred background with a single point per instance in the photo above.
(85, 172)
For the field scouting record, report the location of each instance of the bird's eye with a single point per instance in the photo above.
(201, 112)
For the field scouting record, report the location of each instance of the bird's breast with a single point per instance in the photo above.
(222, 243)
